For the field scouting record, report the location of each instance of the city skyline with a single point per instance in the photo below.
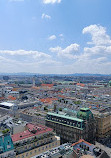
(55, 36)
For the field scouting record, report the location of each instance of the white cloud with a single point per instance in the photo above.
(98, 50)
(28, 54)
(52, 37)
(98, 34)
(93, 59)
(61, 35)
(69, 52)
(26, 61)
(55, 49)
(101, 41)
(51, 1)
(45, 16)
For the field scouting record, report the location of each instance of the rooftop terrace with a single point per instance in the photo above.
(32, 130)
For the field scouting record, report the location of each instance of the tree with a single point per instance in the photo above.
(60, 109)
(5, 131)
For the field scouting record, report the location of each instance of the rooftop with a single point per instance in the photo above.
(80, 141)
(7, 104)
(85, 109)
(33, 130)
(65, 116)
(6, 143)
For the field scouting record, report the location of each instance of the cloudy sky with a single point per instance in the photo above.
(55, 36)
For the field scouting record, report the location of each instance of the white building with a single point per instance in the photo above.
(8, 105)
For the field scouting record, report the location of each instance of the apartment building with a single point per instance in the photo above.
(103, 124)
(34, 140)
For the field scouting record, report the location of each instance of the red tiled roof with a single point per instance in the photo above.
(35, 88)
(80, 84)
(11, 97)
(2, 98)
(47, 85)
(28, 133)
(61, 96)
(80, 141)
(47, 100)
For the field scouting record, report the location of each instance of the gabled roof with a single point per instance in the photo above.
(80, 141)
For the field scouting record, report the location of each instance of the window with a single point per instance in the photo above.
(37, 143)
(26, 154)
(87, 148)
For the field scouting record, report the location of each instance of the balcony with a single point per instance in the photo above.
(21, 149)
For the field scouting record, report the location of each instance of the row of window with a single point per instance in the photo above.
(41, 149)
(65, 121)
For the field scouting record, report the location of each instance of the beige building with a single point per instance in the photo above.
(103, 124)
(34, 140)
(38, 149)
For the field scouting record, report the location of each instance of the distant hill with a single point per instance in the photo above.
(32, 74)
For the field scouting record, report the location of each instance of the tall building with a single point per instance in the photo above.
(70, 128)
(103, 124)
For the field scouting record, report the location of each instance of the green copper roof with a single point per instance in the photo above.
(6, 143)
(65, 116)
(85, 114)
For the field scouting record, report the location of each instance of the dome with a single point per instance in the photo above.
(110, 82)
(85, 114)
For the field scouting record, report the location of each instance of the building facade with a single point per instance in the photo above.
(103, 124)
(6, 146)
(34, 140)
(70, 128)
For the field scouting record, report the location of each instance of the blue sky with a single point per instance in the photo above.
(55, 36)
